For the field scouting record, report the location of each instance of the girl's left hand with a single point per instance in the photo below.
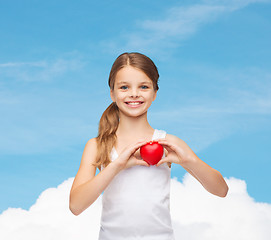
(176, 153)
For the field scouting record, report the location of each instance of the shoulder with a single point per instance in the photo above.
(180, 143)
(175, 139)
(92, 141)
(90, 150)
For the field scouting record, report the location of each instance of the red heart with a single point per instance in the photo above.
(152, 152)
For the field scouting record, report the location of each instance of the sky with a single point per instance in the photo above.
(213, 58)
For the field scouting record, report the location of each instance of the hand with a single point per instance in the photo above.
(176, 153)
(127, 158)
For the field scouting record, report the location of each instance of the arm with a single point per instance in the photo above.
(86, 186)
(179, 152)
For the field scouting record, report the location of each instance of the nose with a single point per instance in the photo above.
(134, 92)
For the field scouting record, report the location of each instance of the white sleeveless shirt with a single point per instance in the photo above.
(136, 203)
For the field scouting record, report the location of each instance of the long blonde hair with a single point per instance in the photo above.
(109, 121)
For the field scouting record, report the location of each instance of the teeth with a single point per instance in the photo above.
(133, 103)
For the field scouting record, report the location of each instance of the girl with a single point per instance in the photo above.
(136, 195)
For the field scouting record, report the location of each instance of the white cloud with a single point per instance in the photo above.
(234, 4)
(41, 70)
(196, 214)
(21, 64)
(44, 134)
(205, 216)
(38, 117)
(39, 120)
(50, 218)
(182, 21)
(229, 101)
(179, 23)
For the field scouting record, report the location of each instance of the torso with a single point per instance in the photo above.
(147, 190)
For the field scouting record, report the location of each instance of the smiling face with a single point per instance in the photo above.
(133, 91)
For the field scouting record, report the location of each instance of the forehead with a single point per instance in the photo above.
(131, 75)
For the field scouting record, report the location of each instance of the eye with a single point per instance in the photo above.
(144, 87)
(123, 87)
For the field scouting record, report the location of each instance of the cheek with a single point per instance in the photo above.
(150, 96)
(120, 96)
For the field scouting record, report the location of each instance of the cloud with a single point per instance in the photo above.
(195, 214)
(40, 113)
(50, 218)
(23, 64)
(205, 216)
(41, 70)
(178, 24)
(40, 120)
(234, 4)
(225, 101)
(44, 134)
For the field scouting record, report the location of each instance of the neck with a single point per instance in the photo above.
(134, 127)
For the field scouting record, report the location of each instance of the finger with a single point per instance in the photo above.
(137, 146)
(137, 161)
(165, 143)
(163, 160)
(142, 163)
(140, 144)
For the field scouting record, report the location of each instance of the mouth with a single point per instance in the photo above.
(134, 103)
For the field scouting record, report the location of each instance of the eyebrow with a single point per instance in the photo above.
(128, 82)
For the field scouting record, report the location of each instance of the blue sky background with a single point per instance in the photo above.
(55, 57)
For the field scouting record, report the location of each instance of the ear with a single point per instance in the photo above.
(112, 95)
(155, 94)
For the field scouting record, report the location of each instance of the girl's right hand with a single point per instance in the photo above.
(127, 159)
